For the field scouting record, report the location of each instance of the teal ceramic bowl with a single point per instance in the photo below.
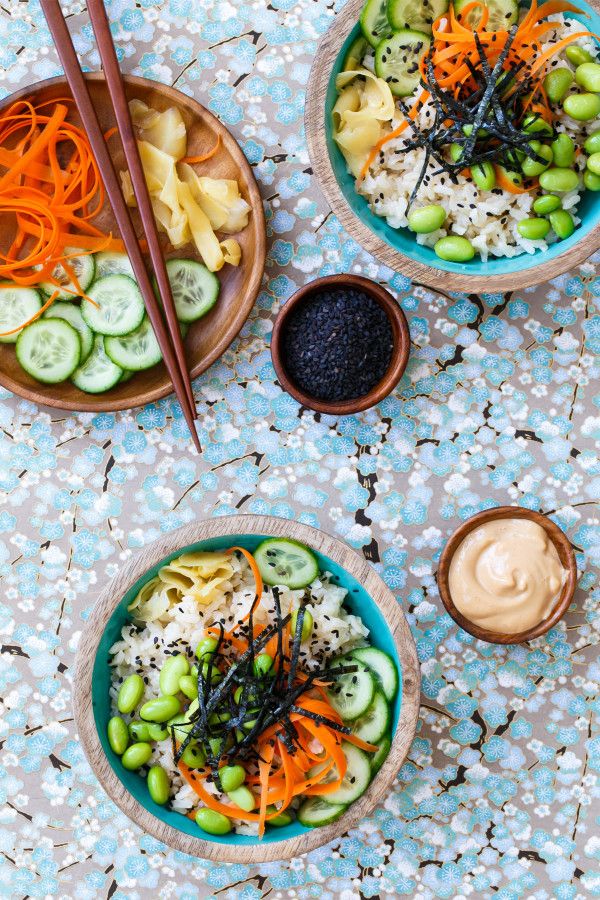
(367, 597)
(397, 247)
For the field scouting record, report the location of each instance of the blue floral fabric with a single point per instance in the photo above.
(499, 795)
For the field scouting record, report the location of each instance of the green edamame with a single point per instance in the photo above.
(582, 107)
(232, 777)
(515, 177)
(160, 709)
(454, 249)
(546, 204)
(563, 151)
(577, 56)
(243, 797)
(139, 731)
(215, 675)
(307, 622)
(588, 76)
(427, 218)
(188, 686)
(593, 163)
(455, 152)
(533, 229)
(592, 144)
(262, 664)
(206, 646)
(159, 786)
(130, 694)
(591, 181)
(136, 755)
(193, 756)
(535, 123)
(213, 822)
(557, 83)
(156, 732)
(562, 223)
(174, 667)
(484, 175)
(180, 726)
(532, 167)
(118, 735)
(559, 181)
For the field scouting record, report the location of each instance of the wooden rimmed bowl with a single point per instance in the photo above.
(368, 596)
(565, 554)
(398, 248)
(400, 335)
(206, 339)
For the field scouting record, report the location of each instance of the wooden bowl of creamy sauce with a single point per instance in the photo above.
(507, 575)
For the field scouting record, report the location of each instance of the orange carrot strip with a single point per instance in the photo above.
(203, 156)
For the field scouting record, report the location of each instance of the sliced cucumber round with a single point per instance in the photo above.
(397, 60)
(352, 693)
(357, 777)
(17, 305)
(377, 759)
(109, 263)
(374, 21)
(84, 269)
(195, 289)
(503, 14)
(118, 306)
(286, 562)
(383, 667)
(314, 811)
(136, 351)
(355, 54)
(415, 15)
(71, 313)
(375, 722)
(98, 373)
(49, 350)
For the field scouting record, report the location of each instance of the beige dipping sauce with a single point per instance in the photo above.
(506, 575)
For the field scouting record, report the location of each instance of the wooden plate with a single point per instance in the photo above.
(208, 338)
(375, 602)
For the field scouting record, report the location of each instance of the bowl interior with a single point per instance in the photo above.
(403, 240)
(358, 601)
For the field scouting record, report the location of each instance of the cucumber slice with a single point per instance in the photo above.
(397, 60)
(375, 722)
(120, 308)
(352, 693)
(17, 305)
(357, 777)
(356, 53)
(383, 666)
(98, 373)
(67, 310)
(126, 376)
(195, 289)
(503, 14)
(415, 15)
(378, 758)
(314, 811)
(84, 268)
(286, 562)
(136, 351)
(374, 21)
(108, 263)
(49, 350)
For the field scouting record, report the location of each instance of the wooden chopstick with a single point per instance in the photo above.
(173, 353)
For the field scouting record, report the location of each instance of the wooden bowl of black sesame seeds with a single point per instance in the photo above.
(340, 344)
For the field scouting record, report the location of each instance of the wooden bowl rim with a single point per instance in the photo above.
(316, 135)
(565, 553)
(136, 568)
(400, 353)
(101, 402)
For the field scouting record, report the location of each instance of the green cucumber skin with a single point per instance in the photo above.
(25, 336)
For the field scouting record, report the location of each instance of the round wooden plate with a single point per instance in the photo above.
(137, 568)
(208, 338)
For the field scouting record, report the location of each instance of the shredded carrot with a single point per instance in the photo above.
(507, 185)
(203, 156)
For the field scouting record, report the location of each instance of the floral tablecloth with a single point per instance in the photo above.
(499, 796)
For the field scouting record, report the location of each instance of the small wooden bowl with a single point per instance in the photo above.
(400, 333)
(565, 554)
(208, 338)
(367, 596)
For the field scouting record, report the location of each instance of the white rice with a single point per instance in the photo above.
(488, 219)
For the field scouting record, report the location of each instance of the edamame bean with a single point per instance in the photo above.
(193, 756)
(207, 645)
(592, 144)
(181, 725)
(546, 204)
(188, 686)
(582, 107)
(427, 218)
(484, 176)
(588, 76)
(262, 664)
(557, 83)
(213, 822)
(515, 177)
(455, 152)
(454, 249)
(160, 709)
(215, 675)
(173, 669)
(242, 797)
(130, 694)
(577, 56)
(118, 735)
(535, 123)
(559, 181)
(533, 229)
(139, 731)
(156, 732)
(593, 163)
(532, 167)
(563, 151)
(283, 818)
(307, 624)
(232, 777)
(562, 223)
(136, 756)
(159, 786)
(591, 181)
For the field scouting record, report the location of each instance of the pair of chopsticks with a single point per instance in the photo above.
(169, 338)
